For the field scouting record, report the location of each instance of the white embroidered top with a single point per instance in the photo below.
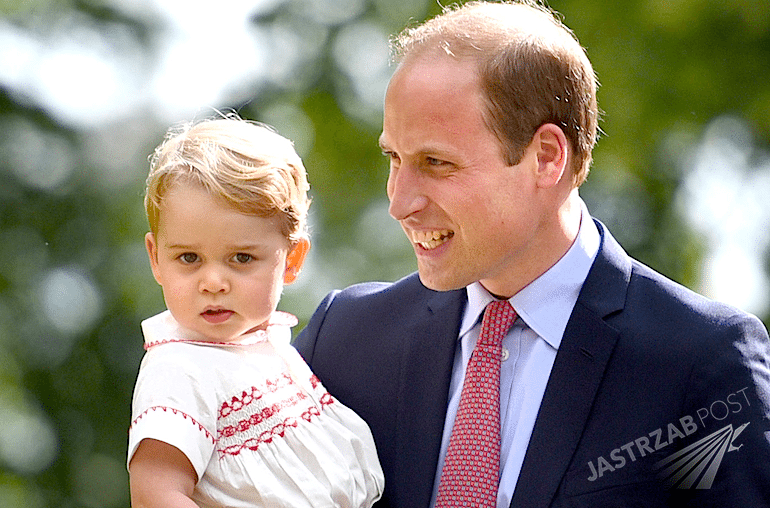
(255, 423)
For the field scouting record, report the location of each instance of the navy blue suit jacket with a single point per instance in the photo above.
(654, 387)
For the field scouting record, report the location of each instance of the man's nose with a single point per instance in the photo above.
(405, 192)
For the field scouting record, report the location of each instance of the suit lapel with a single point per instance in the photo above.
(575, 378)
(424, 386)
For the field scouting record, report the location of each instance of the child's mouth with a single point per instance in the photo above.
(217, 316)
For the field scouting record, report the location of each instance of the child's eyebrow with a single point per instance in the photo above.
(180, 246)
(245, 246)
(231, 247)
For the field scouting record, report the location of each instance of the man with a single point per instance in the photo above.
(617, 387)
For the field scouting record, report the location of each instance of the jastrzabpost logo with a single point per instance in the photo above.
(694, 466)
(697, 465)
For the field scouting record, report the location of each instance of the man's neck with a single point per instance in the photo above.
(555, 239)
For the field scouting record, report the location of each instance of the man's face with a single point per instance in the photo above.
(469, 215)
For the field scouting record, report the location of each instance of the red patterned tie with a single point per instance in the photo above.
(471, 472)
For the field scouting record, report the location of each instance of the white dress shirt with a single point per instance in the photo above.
(529, 350)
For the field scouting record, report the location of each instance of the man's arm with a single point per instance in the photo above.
(737, 382)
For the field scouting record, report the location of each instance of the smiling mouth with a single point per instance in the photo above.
(429, 240)
(216, 316)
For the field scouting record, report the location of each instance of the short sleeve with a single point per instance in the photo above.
(174, 403)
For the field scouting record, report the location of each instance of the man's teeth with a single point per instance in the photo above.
(431, 239)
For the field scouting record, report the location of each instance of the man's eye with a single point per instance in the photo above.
(188, 258)
(434, 162)
(243, 258)
(390, 155)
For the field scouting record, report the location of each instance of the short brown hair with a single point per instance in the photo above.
(247, 164)
(533, 71)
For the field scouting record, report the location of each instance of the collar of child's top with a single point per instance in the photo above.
(164, 329)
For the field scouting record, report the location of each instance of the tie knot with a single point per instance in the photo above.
(498, 318)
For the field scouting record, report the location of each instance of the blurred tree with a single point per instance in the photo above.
(87, 89)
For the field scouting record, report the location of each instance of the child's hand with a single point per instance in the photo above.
(161, 476)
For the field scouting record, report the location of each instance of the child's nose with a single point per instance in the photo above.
(213, 281)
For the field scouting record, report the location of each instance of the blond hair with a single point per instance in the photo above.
(247, 164)
(532, 70)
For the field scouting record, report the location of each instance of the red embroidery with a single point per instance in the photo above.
(326, 399)
(176, 412)
(267, 436)
(257, 418)
(256, 340)
(254, 394)
(278, 430)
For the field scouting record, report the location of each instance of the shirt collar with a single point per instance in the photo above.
(546, 304)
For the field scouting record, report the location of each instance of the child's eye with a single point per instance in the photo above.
(188, 258)
(243, 258)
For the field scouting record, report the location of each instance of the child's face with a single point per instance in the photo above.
(222, 271)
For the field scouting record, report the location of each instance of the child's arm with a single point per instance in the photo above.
(161, 476)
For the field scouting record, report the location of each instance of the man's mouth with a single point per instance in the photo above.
(217, 315)
(429, 240)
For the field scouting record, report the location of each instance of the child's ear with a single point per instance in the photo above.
(152, 252)
(294, 260)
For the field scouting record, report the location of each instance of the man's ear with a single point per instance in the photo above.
(152, 252)
(553, 150)
(295, 259)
